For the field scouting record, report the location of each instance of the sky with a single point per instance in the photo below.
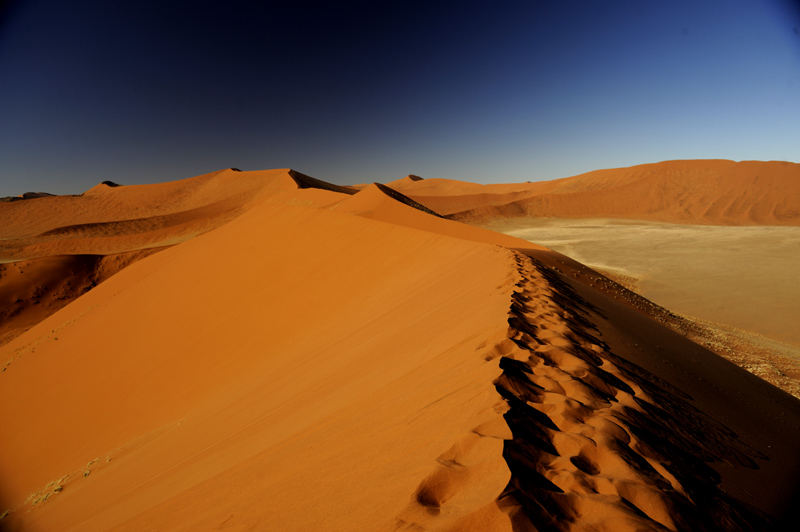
(354, 92)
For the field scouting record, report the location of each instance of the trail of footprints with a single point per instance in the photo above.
(588, 448)
(575, 463)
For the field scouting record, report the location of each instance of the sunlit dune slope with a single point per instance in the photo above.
(717, 192)
(106, 219)
(212, 357)
(379, 202)
(31, 290)
(57, 247)
(337, 361)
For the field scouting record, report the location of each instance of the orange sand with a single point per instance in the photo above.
(310, 359)
(715, 192)
(67, 244)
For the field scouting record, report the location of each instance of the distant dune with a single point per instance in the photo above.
(304, 356)
(68, 244)
(26, 195)
(715, 192)
(717, 270)
(112, 219)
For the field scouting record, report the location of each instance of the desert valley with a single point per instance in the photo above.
(263, 350)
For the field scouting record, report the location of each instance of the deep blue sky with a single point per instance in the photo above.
(350, 92)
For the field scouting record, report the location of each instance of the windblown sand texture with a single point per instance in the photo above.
(299, 356)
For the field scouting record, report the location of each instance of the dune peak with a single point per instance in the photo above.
(103, 186)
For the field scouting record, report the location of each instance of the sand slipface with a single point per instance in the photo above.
(328, 360)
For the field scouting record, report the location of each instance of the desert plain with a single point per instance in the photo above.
(742, 276)
(263, 350)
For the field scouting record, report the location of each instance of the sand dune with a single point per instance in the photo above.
(711, 239)
(705, 191)
(108, 219)
(50, 236)
(380, 202)
(33, 289)
(331, 360)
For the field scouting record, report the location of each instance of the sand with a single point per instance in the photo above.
(743, 276)
(331, 360)
(709, 192)
(711, 240)
(53, 249)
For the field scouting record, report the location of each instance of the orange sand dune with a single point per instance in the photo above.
(33, 289)
(108, 219)
(336, 361)
(50, 236)
(380, 202)
(716, 192)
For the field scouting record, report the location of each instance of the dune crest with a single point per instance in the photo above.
(718, 192)
(379, 202)
(325, 347)
(68, 244)
(101, 187)
(110, 220)
(598, 440)
(304, 181)
(404, 182)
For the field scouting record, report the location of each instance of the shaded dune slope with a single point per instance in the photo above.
(397, 196)
(338, 361)
(704, 191)
(606, 435)
(304, 181)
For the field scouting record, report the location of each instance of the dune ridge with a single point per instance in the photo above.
(676, 228)
(324, 348)
(196, 198)
(304, 181)
(402, 198)
(111, 220)
(381, 203)
(405, 339)
(600, 442)
(717, 192)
